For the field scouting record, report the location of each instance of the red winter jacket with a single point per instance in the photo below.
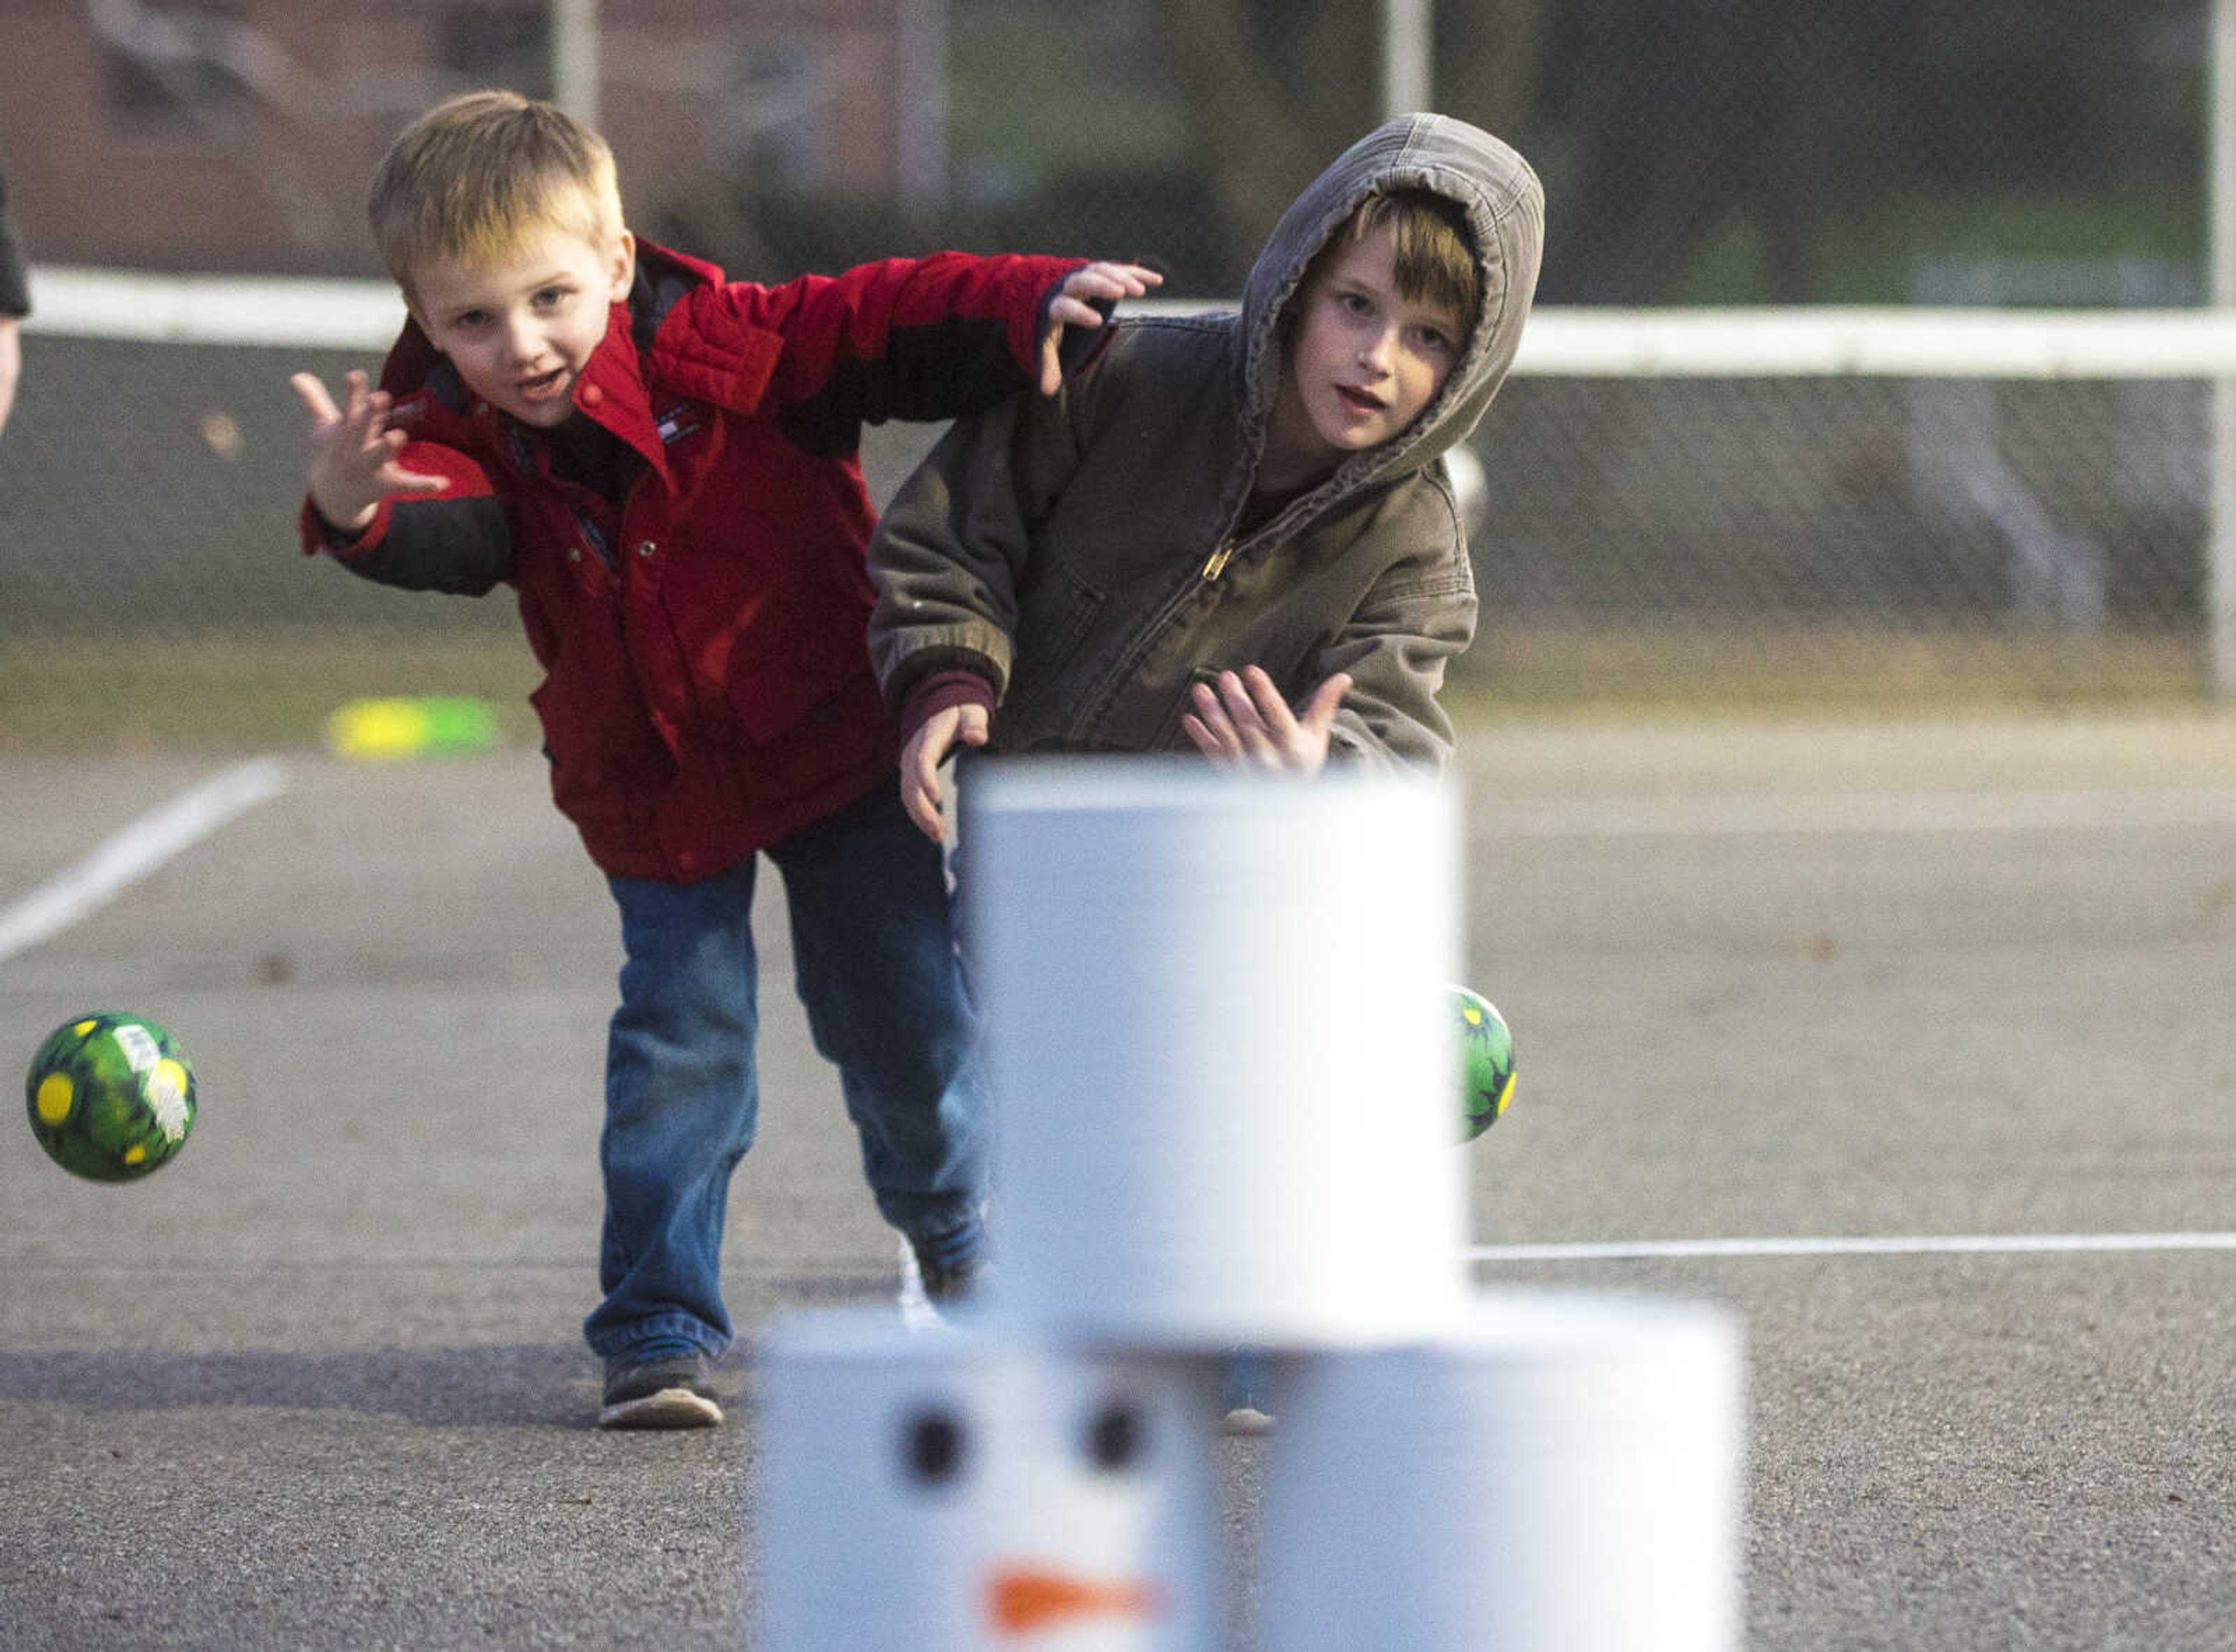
(707, 690)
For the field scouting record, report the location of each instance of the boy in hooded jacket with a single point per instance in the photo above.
(1232, 529)
(1235, 530)
(664, 464)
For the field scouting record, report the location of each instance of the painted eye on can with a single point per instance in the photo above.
(932, 1452)
(1116, 1437)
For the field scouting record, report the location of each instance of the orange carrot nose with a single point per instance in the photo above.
(1026, 1599)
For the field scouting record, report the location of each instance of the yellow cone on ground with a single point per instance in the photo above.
(389, 728)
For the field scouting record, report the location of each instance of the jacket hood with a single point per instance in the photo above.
(1505, 208)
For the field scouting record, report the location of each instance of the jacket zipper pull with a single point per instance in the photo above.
(1217, 564)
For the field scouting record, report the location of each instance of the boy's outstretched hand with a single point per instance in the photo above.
(354, 453)
(1247, 724)
(1071, 308)
(925, 751)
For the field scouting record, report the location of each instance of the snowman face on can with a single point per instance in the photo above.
(970, 1492)
(1044, 1584)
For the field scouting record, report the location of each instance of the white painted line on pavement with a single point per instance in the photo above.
(137, 849)
(1916, 1245)
(1634, 817)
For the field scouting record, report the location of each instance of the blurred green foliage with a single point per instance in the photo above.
(1694, 151)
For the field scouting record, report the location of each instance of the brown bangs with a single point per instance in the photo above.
(1436, 260)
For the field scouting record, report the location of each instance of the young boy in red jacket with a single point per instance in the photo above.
(664, 464)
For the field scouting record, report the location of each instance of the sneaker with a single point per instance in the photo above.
(667, 1392)
(1246, 1421)
(930, 1284)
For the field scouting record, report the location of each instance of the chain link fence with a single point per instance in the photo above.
(1779, 541)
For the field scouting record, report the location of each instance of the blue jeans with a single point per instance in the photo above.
(886, 1001)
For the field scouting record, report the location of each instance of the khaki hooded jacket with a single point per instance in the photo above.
(1081, 553)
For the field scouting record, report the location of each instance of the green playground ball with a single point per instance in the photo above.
(1486, 1051)
(111, 1096)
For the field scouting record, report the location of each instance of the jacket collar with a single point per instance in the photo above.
(714, 352)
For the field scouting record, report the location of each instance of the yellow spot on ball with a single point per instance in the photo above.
(1505, 1094)
(134, 1153)
(56, 1095)
(83, 1028)
(1472, 1014)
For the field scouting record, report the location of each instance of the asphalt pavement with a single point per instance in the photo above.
(318, 1383)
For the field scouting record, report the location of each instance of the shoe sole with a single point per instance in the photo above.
(677, 1407)
(1246, 1421)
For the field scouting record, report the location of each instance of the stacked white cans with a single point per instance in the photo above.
(1221, 1062)
(1225, 1116)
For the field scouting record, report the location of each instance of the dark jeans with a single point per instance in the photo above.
(886, 1003)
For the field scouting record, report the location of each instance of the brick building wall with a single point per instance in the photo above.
(239, 135)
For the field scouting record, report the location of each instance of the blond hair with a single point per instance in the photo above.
(479, 174)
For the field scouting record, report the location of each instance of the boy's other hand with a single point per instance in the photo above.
(926, 750)
(1245, 723)
(354, 453)
(1073, 307)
